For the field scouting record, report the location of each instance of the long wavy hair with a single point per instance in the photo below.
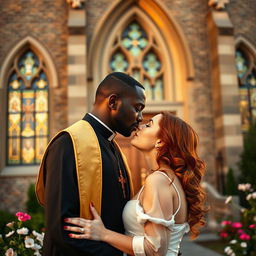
(179, 151)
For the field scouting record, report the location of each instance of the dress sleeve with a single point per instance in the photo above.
(153, 210)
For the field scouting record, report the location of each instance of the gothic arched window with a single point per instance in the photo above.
(246, 72)
(27, 116)
(136, 52)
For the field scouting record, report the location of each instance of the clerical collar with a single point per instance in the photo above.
(113, 134)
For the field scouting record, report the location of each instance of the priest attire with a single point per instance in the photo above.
(81, 165)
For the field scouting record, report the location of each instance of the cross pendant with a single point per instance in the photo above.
(122, 180)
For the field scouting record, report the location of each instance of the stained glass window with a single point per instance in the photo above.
(135, 53)
(27, 110)
(246, 72)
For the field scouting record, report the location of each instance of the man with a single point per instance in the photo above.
(83, 165)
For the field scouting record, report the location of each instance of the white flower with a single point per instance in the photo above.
(37, 253)
(228, 199)
(244, 244)
(22, 231)
(241, 187)
(39, 237)
(36, 246)
(10, 224)
(233, 242)
(254, 195)
(254, 218)
(243, 209)
(29, 242)
(232, 254)
(9, 234)
(248, 186)
(35, 233)
(10, 252)
(228, 250)
(244, 187)
(248, 197)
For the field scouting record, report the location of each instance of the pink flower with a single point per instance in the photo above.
(237, 225)
(244, 237)
(22, 216)
(226, 222)
(223, 234)
(10, 252)
(240, 231)
(252, 226)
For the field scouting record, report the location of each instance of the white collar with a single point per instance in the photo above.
(110, 138)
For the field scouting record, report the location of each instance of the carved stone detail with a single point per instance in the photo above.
(76, 4)
(218, 4)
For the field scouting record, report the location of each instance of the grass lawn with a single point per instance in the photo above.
(215, 245)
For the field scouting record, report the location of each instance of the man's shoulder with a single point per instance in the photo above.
(63, 139)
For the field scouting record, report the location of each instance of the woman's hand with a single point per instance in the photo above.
(89, 229)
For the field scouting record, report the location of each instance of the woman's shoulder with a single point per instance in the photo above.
(157, 178)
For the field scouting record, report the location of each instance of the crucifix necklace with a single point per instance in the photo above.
(121, 178)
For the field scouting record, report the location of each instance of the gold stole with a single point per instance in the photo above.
(88, 167)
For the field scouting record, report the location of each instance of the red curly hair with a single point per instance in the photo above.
(180, 153)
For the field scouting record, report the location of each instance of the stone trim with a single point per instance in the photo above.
(225, 90)
(77, 91)
(10, 171)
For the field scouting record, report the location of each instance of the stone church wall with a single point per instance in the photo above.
(46, 22)
(243, 18)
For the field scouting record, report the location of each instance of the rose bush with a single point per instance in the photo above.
(241, 236)
(16, 239)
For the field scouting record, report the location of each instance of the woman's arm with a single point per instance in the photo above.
(156, 236)
(95, 230)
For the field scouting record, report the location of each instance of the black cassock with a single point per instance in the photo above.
(62, 197)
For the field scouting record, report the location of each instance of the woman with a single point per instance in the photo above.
(170, 203)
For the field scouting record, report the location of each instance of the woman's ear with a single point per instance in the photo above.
(112, 101)
(158, 144)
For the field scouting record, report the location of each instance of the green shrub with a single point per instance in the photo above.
(247, 163)
(231, 184)
(32, 204)
(5, 218)
(35, 210)
(36, 222)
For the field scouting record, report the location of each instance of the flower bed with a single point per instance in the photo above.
(16, 239)
(241, 236)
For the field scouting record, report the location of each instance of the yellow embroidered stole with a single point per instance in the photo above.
(88, 167)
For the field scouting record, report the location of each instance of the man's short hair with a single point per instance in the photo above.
(114, 81)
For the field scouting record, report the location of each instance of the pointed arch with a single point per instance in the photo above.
(240, 41)
(35, 44)
(26, 97)
(176, 52)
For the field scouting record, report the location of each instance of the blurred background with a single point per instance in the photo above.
(196, 59)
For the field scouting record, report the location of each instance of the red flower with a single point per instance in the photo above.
(22, 216)
(226, 222)
(244, 237)
(224, 234)
(237, 225)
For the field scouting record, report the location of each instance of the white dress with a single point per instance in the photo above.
(134, 218)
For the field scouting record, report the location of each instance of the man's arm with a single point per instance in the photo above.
(62, 200)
